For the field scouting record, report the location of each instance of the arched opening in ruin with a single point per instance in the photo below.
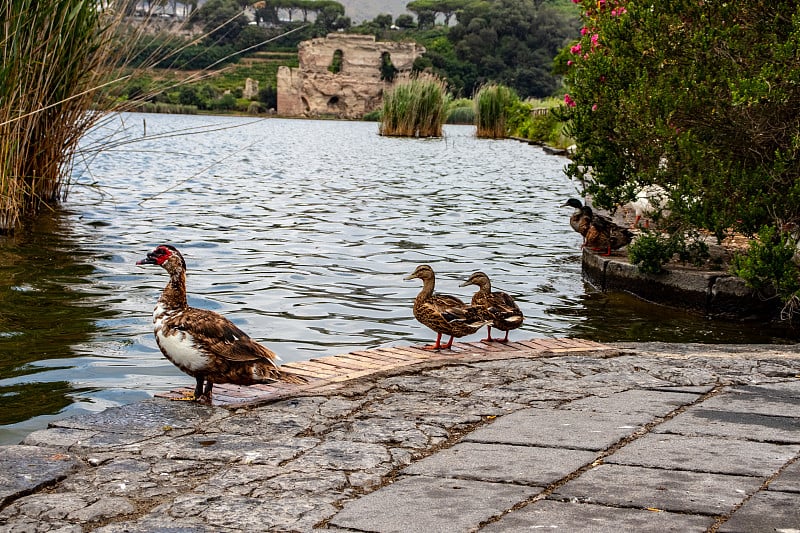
(388, 70)
(337, 61)
(333, 102)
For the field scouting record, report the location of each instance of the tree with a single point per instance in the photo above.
(222, 20)
(383, 20)
(404, 21)
(512, 42)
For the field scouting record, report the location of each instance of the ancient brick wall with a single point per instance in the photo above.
(313, 90)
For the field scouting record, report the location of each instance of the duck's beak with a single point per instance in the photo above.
(465, 283)
(410, 276)
(149, 260)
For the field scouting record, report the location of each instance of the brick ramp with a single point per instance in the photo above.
(327, 373)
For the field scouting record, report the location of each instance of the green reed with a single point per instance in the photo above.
(415, 108)
(55, 55)
(491, 104)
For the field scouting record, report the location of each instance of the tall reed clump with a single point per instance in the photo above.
(55, 54)
(415, 108)
(491, 104)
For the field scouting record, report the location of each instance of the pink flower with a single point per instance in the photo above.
(595, 38)
(576, 49)
(618, 11)
(584, 30)
(569, 101)
(594, 107)
(569, 62)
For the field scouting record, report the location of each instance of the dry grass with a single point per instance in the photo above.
(55, 63)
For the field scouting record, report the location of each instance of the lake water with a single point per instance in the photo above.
(299, 231)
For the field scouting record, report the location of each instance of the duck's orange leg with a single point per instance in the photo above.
(489, 335)
(437, 346)
(449, 343)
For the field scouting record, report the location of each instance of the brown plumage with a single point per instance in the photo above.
(581, 218)
(599, 233)
(505, 313)
(605, 235)
(202, 343)
(442, 313)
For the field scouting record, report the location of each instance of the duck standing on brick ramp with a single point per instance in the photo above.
(444, 314)
(202, 343)
(505, 312)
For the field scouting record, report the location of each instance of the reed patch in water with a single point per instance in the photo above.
(491, 105)
(415, 108)
(55, 56)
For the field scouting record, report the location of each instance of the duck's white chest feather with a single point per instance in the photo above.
(178, 346)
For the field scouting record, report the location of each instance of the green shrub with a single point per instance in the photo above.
(650, 252)
(373, 116)
(768, 266)
(461, 111)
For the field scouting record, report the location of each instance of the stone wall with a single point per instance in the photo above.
(313, 90)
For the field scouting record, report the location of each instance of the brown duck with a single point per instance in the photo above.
(599, 233)
(581, 218)
(202, 343)
(444, 314)
(505, 313)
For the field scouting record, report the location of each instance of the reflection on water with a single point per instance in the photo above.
(299, 231)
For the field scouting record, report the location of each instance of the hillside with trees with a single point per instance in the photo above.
(469, 43)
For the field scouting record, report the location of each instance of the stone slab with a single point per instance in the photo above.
(649, 403)
(502, 463)
(418, 504)
(646, 488)
(756, 400)
(548, 515)
(24, 469)
(732, 424)
(766, 511)
(788, 480)
(559, 428)
(705, 454)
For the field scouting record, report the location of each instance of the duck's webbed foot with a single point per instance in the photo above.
(437, 346)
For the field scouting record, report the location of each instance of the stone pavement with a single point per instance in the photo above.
(622, 437)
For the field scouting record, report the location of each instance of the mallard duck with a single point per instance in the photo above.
(505, 313)
(202, 343)
(442, 313)
(605, 235)
(581, 217)
(601, 233)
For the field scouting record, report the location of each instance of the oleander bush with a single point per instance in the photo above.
(701, 98)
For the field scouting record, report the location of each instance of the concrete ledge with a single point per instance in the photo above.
(712, 293)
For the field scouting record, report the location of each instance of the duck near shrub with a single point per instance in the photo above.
(605, 235)
(505, 313)
(444, 314)
(600, 233)
(202, 343)
(581, 218)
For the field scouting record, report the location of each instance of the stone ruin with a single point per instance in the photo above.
(250, 88)
(340, 75)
